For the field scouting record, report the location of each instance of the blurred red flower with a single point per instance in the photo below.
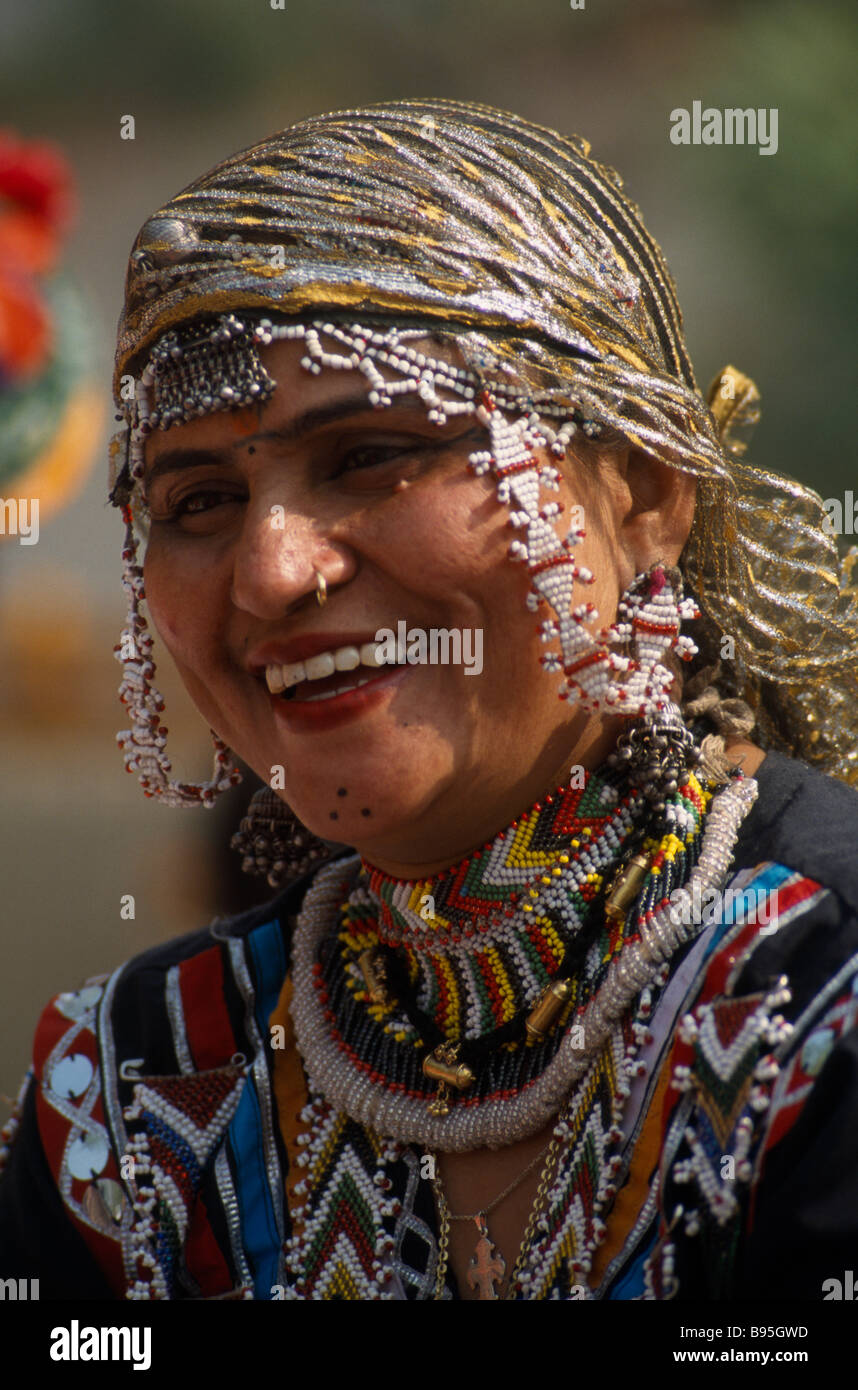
(36, 209)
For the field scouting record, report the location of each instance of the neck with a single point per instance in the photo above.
(456, 826)
(560, 823)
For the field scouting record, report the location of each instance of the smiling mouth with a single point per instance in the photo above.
(311, 693)
(326, 675)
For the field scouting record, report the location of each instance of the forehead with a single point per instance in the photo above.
(298, 394)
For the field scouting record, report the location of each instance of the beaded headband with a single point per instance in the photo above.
(513, 241)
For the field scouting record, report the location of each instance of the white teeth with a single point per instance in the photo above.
(329, 694)
(368, 655)
(292, 674)
(346, 658)
(317, 667)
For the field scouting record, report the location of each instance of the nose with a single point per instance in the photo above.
(276, 558)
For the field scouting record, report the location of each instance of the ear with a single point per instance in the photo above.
(656, 509)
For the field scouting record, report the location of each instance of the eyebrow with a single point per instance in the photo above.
(175, 460)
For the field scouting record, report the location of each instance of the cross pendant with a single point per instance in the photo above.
(488, 1265)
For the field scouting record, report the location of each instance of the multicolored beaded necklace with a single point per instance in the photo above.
(363, 1115)
(370, 1100)
(463, 958)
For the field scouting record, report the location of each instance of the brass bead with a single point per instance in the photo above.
(626, 885)
(454, 1074)
(374, 970)
(547, 1009)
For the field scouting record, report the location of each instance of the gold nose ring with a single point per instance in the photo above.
(321, 588)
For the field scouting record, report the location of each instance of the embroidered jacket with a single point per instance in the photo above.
(156, 1151)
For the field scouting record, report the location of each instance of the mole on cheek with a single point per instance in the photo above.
(365, 811)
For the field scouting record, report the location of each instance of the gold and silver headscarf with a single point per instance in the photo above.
(513, 241)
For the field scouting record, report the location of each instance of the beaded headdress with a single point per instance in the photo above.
(510, 240)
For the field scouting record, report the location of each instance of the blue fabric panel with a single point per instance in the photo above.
(260, 1236)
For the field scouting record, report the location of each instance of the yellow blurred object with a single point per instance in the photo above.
(53, 657)
(57, 475)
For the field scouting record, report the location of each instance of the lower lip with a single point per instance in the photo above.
(307, 715)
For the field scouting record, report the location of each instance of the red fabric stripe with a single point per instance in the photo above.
(784, 1121)
(791, 894)
(210, 1036)
(203, 1255)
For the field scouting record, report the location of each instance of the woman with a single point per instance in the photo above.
(573, 1015)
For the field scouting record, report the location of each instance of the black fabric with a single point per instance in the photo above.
(804, 1221)
(809, 951)
(805, 1227)
(805, 820)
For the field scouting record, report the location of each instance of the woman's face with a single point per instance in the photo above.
(413, 764)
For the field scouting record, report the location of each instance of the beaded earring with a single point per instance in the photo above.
(145, 742)
(274, 842)
(657, 749)
(613, 670)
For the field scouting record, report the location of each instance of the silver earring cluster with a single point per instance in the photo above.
(657, 749)
(273, 843)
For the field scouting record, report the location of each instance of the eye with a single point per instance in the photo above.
(198, 503)
(407, 457)
(375, 455)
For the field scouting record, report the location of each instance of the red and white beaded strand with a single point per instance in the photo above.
(144, 744)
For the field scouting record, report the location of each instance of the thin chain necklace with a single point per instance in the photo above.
(488, 1266)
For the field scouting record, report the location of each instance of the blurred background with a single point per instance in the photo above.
(761, 247)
